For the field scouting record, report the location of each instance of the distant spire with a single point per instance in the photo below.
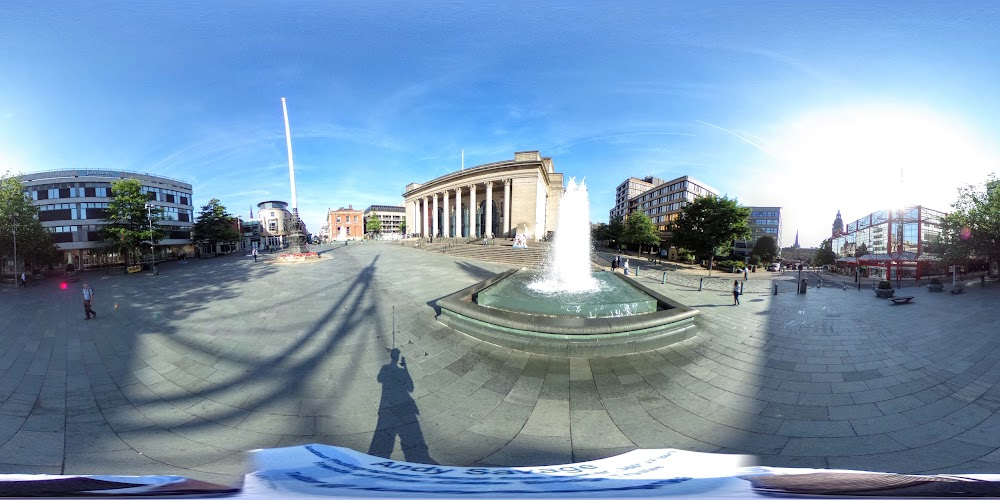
(251, 211)
(796, 245)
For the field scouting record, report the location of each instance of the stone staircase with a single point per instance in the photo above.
(500, 251)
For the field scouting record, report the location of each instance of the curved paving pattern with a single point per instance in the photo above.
(182, 372)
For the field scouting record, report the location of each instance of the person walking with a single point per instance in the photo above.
(614, 264)
(88, 297)
(625, 267)
(254, 254)
(24, 281)
(746, 271)
(736, 292)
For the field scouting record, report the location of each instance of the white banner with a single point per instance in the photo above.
(332, 471)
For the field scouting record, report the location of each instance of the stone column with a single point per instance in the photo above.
(489, 209)
(434, 216)
(472, 211)
(447, 217)
(414, 221)
(423, 217)
(506, 208)
(458, 212)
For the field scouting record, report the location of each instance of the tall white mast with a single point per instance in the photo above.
(291, 167)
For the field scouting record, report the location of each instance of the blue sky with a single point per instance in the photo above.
(812, 106)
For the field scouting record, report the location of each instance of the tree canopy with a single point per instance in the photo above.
(402, 225)
(765, 249)
(373, 224)
(708, 226)
(825, 255)
(615, 229)
(860, 251)
(639, 230)
(973, 228)
(34, 242)
(127, 225)
(214, 225)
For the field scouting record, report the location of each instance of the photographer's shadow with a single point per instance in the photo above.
(397, 414)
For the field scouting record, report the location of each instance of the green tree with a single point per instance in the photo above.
(402, 226)
(973, 228)
(599, 232)
(17, 212)
(765, 249)
(126, 225)
(708, 226)
(214, 225)
(373, 225)
(825, 254)
(616, 228)
(861, 250)
(639, 230)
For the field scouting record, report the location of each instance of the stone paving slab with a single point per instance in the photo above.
(182, 373)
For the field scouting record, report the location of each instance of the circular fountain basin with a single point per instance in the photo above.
(560, 326)
(613, 298)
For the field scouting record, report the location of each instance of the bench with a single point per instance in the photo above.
(956, 291)
(901, 300)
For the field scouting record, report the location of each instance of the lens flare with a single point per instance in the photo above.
(63, 285)
(966, 232)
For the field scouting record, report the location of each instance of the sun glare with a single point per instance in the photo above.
(866, 158)
(901, 152)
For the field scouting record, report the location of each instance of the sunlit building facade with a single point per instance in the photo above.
(499, 199)
(628, 189)
(763, 221)
(346, 223)
(390, 217)
(73, 206)
(275, 224)
(892, 243)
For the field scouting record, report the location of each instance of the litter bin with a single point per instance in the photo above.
(803, 286)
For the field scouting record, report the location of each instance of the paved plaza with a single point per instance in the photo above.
(184, 372)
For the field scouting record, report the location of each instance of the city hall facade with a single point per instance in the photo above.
(499, 199)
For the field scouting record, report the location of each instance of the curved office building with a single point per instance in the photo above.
(72, 206)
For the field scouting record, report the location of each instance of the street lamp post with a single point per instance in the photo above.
(14, 218)
(152, 250)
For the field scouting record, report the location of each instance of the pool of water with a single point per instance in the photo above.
(613, 298)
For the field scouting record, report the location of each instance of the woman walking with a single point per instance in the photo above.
(736, 292)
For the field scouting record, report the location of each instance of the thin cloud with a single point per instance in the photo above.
(741, 137)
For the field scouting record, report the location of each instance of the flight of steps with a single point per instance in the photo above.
(502, 252)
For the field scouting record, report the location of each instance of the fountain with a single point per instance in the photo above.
(566, 309)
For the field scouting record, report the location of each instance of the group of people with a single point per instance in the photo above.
(617, 262)
(521, 241)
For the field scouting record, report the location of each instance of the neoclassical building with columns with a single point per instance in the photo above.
(507, 198)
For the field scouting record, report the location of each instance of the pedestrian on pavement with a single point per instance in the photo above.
(88, 297)
(746, 271)
(254, 254)
(736, 292)
(614, 264)
(24, 281)
(625, 267)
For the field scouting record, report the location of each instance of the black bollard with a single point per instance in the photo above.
(700, 282)
(776, 289)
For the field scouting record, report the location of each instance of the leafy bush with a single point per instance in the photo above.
(884, 285)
